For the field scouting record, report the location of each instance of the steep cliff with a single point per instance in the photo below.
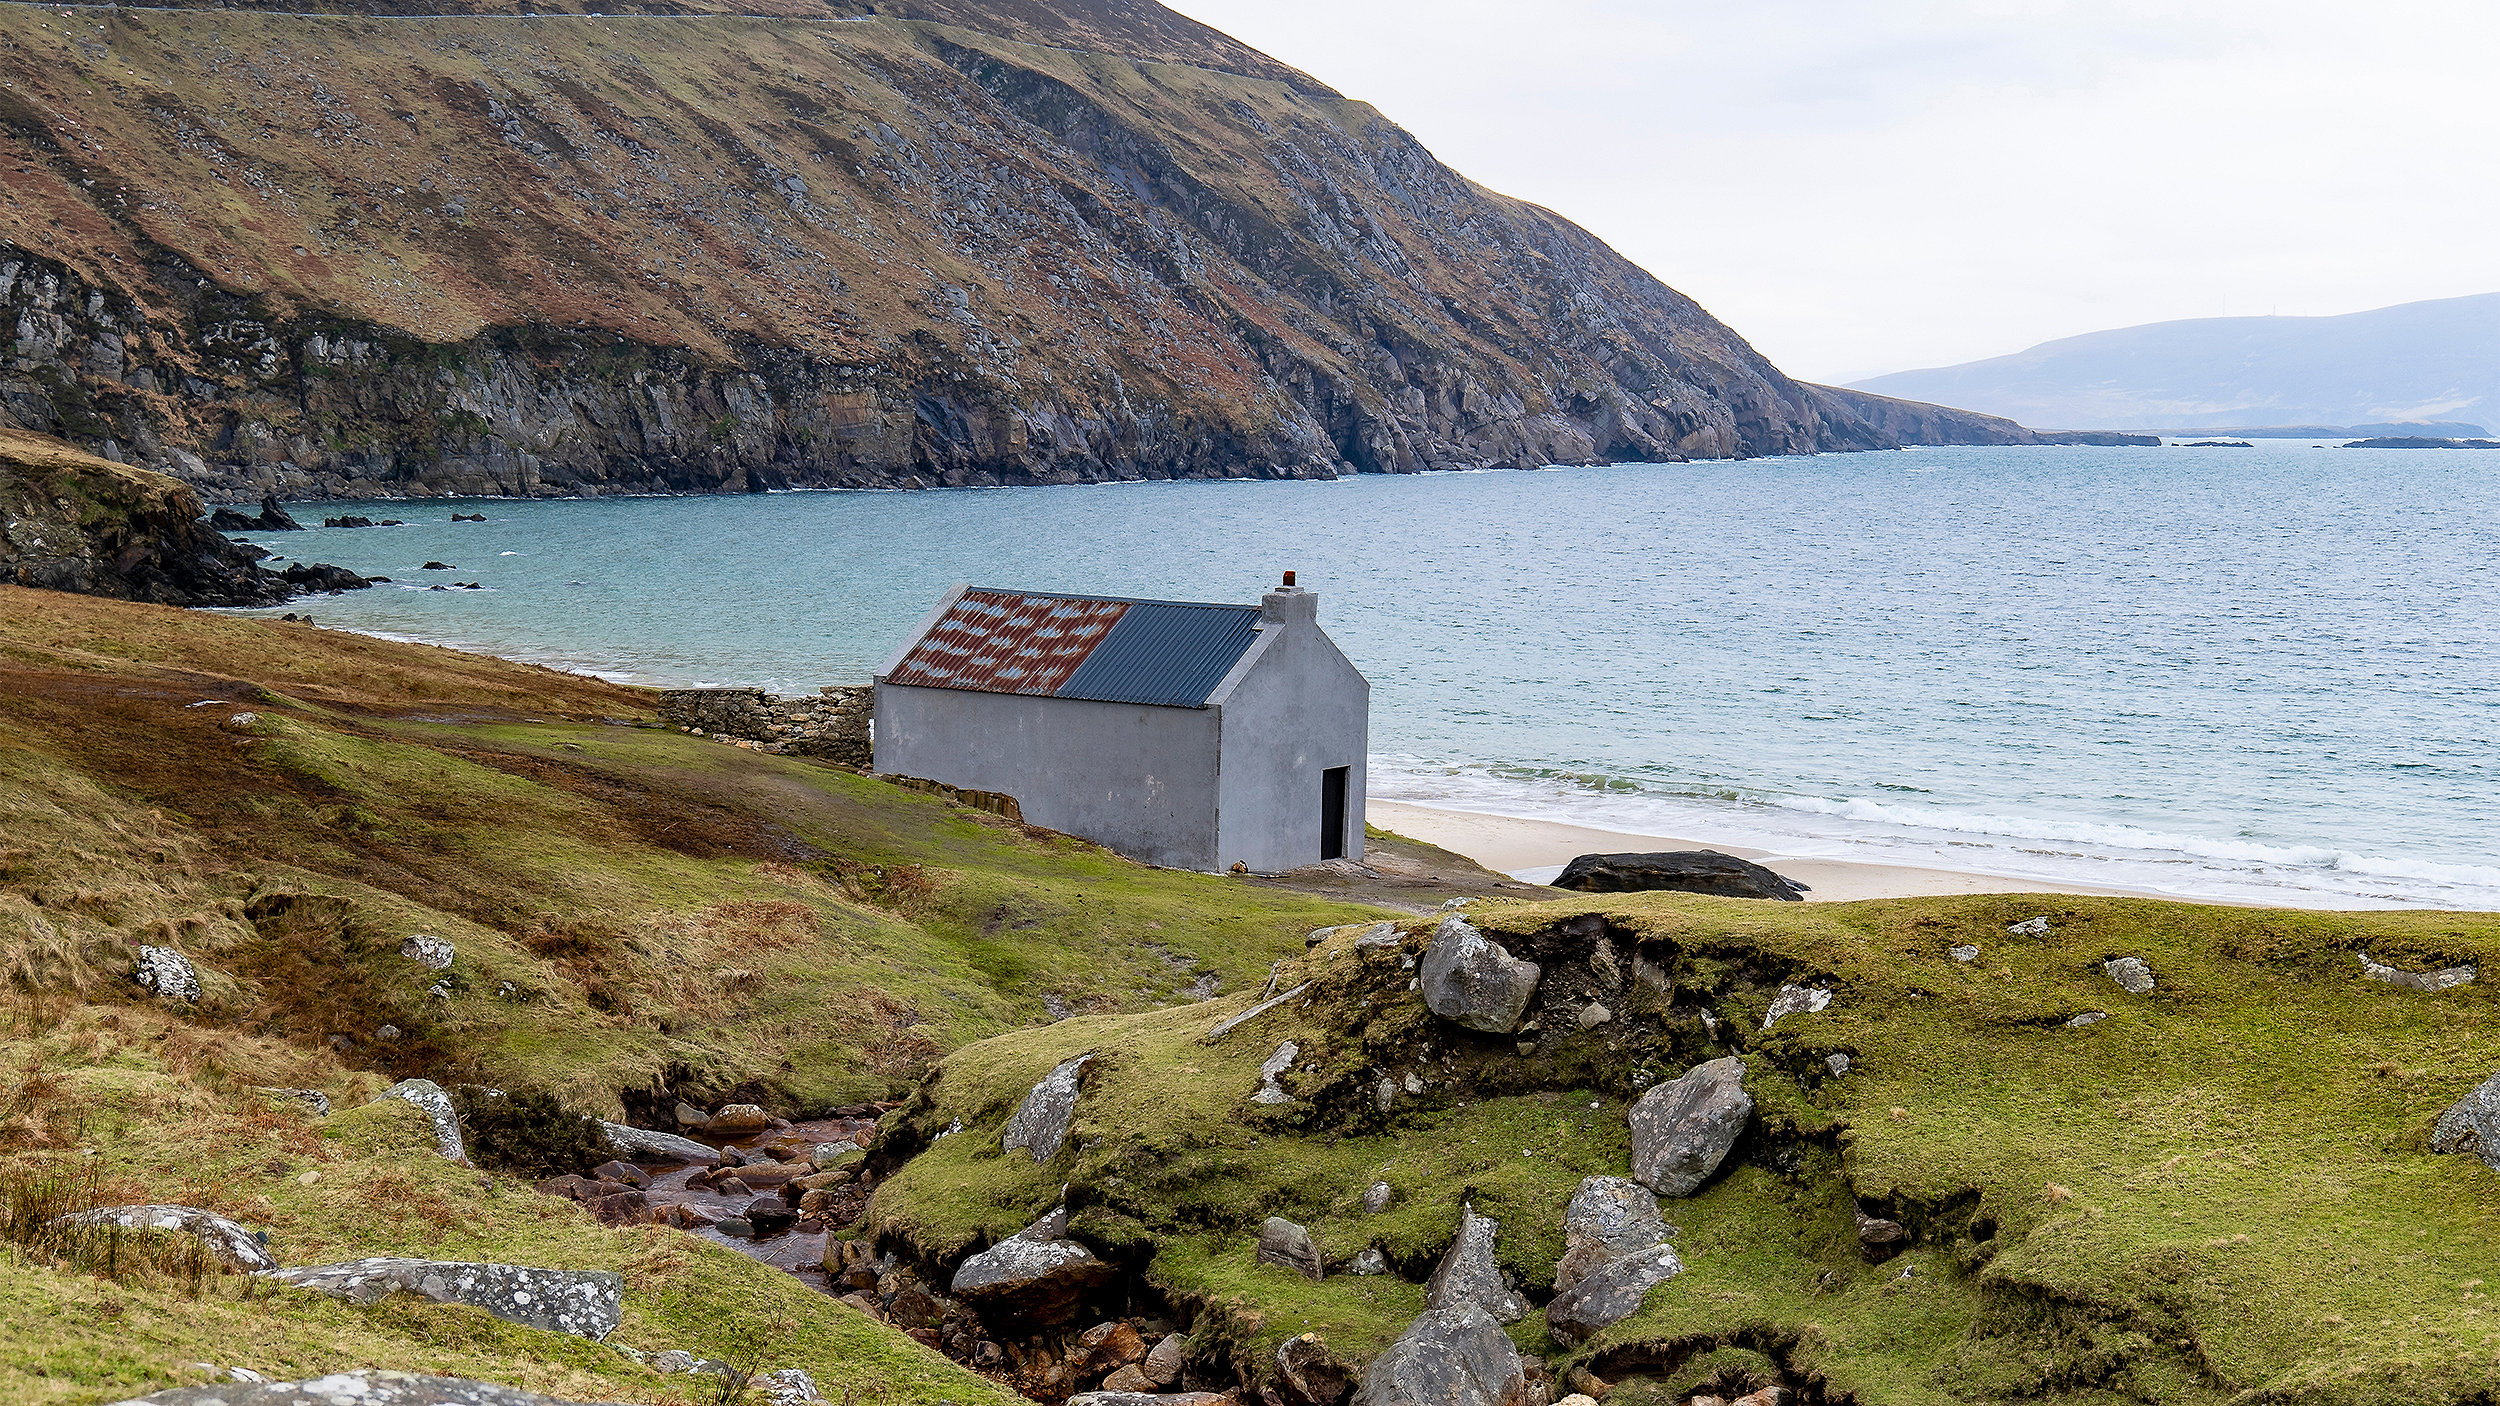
(72, 522)
(365, 255)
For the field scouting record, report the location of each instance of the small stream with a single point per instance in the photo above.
(800, 1249)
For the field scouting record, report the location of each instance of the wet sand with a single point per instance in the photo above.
(1512, 845)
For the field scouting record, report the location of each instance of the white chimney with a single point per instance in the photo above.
(1289, 604)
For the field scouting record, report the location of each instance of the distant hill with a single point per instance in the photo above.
(2429, 361)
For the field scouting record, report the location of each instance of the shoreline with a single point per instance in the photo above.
(1514, 845)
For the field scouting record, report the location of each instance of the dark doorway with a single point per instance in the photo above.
(1332, 812)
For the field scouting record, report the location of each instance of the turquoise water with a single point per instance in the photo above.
(2259, 673)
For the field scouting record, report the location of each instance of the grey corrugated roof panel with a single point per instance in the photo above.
(1165, 653)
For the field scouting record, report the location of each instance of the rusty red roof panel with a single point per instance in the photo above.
(1009, 642)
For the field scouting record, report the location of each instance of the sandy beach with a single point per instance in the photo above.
(1512, 845)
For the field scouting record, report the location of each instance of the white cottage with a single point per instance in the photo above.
(1188, 735)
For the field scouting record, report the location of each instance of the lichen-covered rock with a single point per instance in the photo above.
(1377, 1196)
(786, 1386)
(168, 973)
(428, 951)
(1447, 1357)
(2030, 927)
(1040, 1124)
(1269, 1090)
(643, 1142)
(1288, 1246)
(1468, 978)
(1369, 1261)
(1796, 1000)
(586, 1303)
(1610, 1293)
(1608, 1217)
(1471, 1273)
(1682, 1129)
(2130, 972)
(2441, 980)
(364, 1388)
(2472, 1124)
(428, 1095)
(1035, 1275)
(234, 1247)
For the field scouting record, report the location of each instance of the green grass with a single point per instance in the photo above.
(2223, 1188)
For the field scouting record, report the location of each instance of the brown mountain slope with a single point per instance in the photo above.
(365, 255)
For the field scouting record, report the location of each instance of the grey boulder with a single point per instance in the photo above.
(1269, 1090)
(168, 973)
(1036, 1275)
(1470, 1272)
(428, 951)
(2131, 973)
(428, 1095)
(2472, 1124)
(1682, 1129)
(1610, 1293)
(642, 1142)
(366, 1388)
(1288, 1246)
(1796, 1000)
(586, 1303)
(1448, 1357)
(234, 1247)
(1468, 978)
(1040, 1124)
(1608, 1217)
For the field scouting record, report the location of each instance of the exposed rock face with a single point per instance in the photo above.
(1288, 1246)
(1682, 1129)
(2441, 980)
(1448, 1357)
(2130, 972)
(1610, 1293)
(2472, 1124)
(1269, 1090)
(902, 255)
(70, 521)
(1679, 871)
(583, 1302)
(167, 972)
(428, 1095)
(1470, 1273)
(1033, 1276)
(366, 1388)
(1467, 977)
(1040, 1123)
(234, 1247)
(1796, 1000)
(428, 951)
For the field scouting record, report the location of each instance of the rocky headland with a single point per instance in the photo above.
(969, 243)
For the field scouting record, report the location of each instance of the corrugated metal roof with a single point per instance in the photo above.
(1174, 655)
(1105, 649)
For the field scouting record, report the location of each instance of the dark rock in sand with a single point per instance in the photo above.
(1678, 871)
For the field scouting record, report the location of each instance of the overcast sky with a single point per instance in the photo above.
(1860, 188)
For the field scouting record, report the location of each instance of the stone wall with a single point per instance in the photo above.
(831, 725)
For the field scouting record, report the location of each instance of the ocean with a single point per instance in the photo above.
(2268, 674)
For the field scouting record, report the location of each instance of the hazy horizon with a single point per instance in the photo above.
(1859, 193)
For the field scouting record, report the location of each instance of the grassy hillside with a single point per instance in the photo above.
(2220, 1192)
